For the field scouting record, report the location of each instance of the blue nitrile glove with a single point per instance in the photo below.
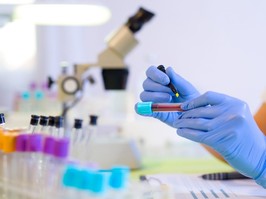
(227, 125)
(156, 90)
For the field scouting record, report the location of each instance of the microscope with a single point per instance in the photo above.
(114, 73)
(111, 61)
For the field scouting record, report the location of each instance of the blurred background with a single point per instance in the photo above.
(216, 45)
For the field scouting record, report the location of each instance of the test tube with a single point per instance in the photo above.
(57, 163)
(48, 152)
(150, 107)
(91, 130)
(76, 134)
(59, 126)
(22, 158)
(43, 124)
(34, 147)
(33, 123)
(2, 120)
(51, 124)
(8, 162)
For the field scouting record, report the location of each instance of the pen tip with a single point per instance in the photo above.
(176, 94)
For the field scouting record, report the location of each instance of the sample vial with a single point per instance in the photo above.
(33, 123)
(2, 122)
(150, 107)
(51, 124)
(91, 130)
(76, 134)
(59, 126)
(43, 124)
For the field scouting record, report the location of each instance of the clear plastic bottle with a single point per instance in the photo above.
(57, 163)
(33, 124)
(2, 123)
(59, 127)
(34, 160)
(76, 133)
(51, 125)
(91, 130)
(76, 137)
(43, 129)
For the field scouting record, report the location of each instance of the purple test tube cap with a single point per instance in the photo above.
(34, 143)
(61, 148)
(49, 145)
(21, 142)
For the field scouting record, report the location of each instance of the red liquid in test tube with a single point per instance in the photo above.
(166, 107)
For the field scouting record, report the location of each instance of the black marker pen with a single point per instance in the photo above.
(170, 85)
(224, 176)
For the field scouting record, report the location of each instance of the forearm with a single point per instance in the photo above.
(214, 153)
(260, 118)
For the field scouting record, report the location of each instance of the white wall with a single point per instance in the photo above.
(217, 45)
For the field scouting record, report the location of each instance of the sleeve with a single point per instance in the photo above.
(263, 96)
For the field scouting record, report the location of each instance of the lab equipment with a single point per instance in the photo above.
(2, 119)
(51, 124)
(38, 166)
(150, 107)
(2, 122)
(170, 85)
(34, 121)
(76, 137)
(91, 130)
(76, 133)
(111, 60)
(227, 125)
(43, 125)
(59, 127)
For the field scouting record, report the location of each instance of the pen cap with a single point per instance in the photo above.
(61, 148)
(49, 145)
(144, 107)
(119, 177)
(34, 143)
(21, 142)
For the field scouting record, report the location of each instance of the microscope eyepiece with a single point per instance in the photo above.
(139, 19)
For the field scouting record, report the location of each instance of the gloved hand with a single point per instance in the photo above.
(156, 90)
(227, 125)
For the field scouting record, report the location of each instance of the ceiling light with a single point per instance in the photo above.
(62, 14)
(15, 1)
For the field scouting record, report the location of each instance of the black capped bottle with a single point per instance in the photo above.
(2, 121)
(91, 130)
(34, 121)
(59, 127)
(51, 124)
(76, 133)
(43, 125)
